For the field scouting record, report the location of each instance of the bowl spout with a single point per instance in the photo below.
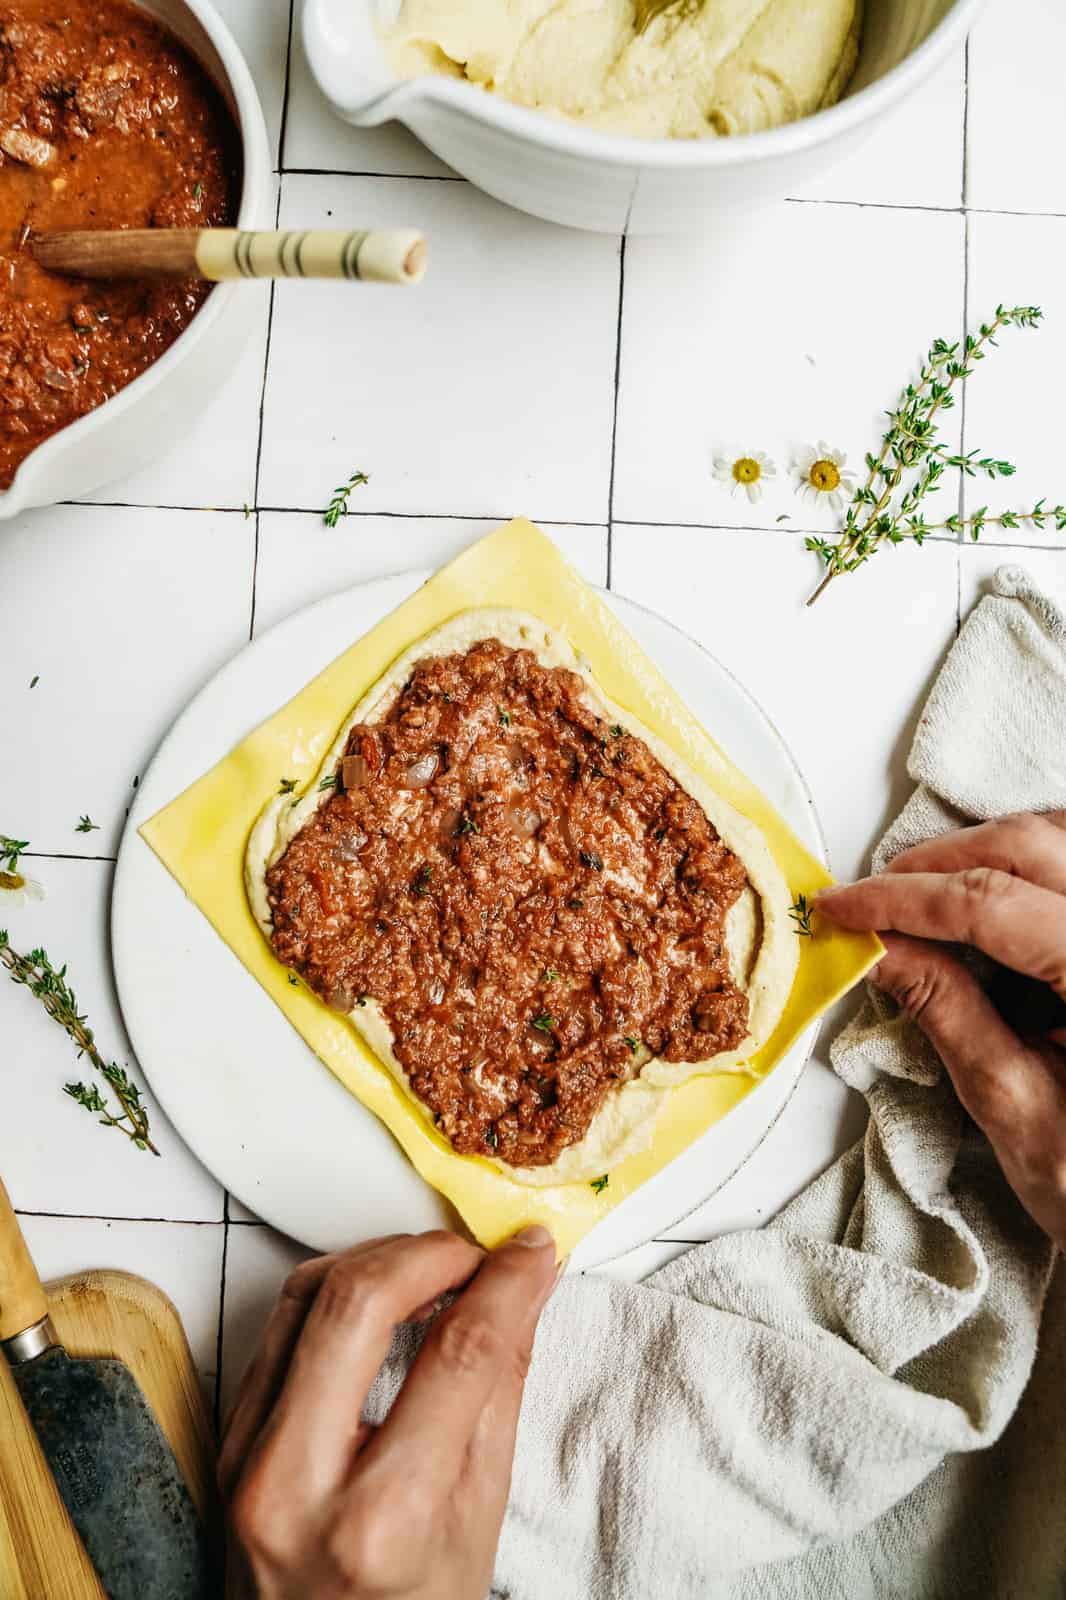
(342, 48)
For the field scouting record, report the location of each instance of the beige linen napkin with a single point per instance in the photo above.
(721, 1428)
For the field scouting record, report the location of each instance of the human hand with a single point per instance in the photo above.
(328, 1507)
(1001, 887)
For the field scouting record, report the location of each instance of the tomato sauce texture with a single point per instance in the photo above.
(531, 898)
(106, 121)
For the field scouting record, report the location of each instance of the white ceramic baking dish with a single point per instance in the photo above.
(144, 419)
(587, 179)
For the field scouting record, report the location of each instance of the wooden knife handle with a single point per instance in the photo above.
(22, 1300)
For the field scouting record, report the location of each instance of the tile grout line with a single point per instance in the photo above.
(614, 413)
(504, 516)
(789, 200)
(961, 502)
(964, 189)
(62, 855)
(284, 122)
(266, 373)
(349, 172)
(111, 1216)
(220, 1331)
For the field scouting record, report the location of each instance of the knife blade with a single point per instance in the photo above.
(111, 1462)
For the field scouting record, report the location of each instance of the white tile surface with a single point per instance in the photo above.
(301, 560)
(876, 175)
(183, 1260)
(776, 340)
(1010, 411)
(842, 681)
(215, 464)
(1017, 111)
(261, 28)
(122, 614)
(480, 340)
(257, 1263)
(53, 1154)
(316, 139)
(1047, 568)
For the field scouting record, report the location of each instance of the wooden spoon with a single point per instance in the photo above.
(386, 256)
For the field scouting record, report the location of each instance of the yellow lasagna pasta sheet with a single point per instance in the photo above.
(201, 837)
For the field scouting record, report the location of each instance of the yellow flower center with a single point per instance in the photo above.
(825, 476)
(746, 470)
(12, 881)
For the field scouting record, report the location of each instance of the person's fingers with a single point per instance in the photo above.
(477, 1350)
(261, 1382)
(1026, 846)
(1016, 923)
(307, 1444)
(1014, 1090)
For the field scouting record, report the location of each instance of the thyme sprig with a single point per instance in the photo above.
(53, 990)
(338, 506)
(801, 911)
(913, 460)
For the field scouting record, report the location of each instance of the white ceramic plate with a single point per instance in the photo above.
(240, 1085)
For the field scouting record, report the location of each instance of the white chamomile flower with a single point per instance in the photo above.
(746, 472)
(17, 889)
(821, 474)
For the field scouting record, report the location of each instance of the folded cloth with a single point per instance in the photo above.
(721, 1428)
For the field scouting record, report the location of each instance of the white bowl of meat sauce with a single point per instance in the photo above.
(116, 115)
(735, 102)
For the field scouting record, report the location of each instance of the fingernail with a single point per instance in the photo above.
(829, 891)
(534, 1238)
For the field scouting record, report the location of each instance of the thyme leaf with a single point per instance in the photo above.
(338, 506)
(545, 1022)
(598, 1185)
(87, 825)
(801, 913)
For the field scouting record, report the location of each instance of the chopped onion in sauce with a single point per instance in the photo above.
(422, 772)
(524, 821)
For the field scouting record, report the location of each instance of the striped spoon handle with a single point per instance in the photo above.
(387, 255)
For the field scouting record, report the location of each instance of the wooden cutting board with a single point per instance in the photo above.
(97, 1314)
